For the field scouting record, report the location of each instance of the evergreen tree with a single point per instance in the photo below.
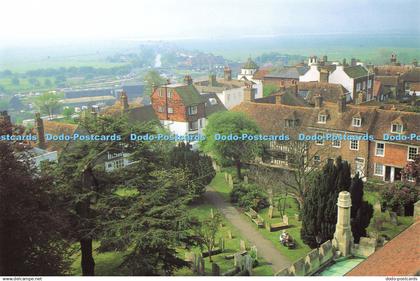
(31, 220)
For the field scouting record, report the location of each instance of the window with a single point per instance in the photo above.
(379, 169)
(317, 159)
(411, 178)
(192, 110)
(193, 125)
(396, 128)
(322, 118)
(354, 145)
(412, 152)
(290, 123)
(380, 149)
(358, 87)
(160, 92)
(169, 94)
(369, 83)
(119, 163)
(336, 143)
(364, 85)
(170, 110)
(357, 122)
(319, 139)
(160, 109)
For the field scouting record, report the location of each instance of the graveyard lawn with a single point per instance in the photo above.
(202, 210)
(222, 187)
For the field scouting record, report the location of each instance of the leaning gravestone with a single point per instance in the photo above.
(243, 246)
(215, 269)
(270, 212)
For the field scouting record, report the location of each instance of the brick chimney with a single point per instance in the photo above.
(227, 73)
(124, 101)
(323, 76)
(353, 62)
(279, 98)
(342, 104)
(318, 101)
(188, 80)
(249, 94)
(39, 124)
(212, 80)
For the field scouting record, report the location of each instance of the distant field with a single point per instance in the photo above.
(23, 65)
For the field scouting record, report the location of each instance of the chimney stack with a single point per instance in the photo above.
(124, 101)
(353, 62)
(249, 94)
(279, 99)
(342, 104)
(393, 59)
(325, 58)
(323, 76)
(415, 64)
(188, 80)
(227, 73)
(318, 101)
(212, 80)
(39, 124)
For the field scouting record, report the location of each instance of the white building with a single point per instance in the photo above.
(247, 74)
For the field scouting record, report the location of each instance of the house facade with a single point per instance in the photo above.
(369, 138)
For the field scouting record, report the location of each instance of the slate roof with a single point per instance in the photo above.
(288, 98)
(355, 71)
(213, 104)
(288, 73)
(388, 80)
(398, 257)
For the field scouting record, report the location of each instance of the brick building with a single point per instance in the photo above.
(368, 150)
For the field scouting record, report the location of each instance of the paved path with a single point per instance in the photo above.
(265, 247)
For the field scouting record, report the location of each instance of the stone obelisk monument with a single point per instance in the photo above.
(343, 238)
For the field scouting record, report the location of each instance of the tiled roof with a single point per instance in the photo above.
(189, 94)
(391, 69)
(375, 121)
(259, 75)
(355, 71)
(288, 73)
(288, 98)
(412, 75)
(388, 80)
(142, 114)
(329, 91)
(57, 128)
(398, 257)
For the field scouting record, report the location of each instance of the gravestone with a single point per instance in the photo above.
(226, 177)
(243, 246)
(190, 257)
(285, 219)
(248, 263)
(229, 234)
(270, 212)
(200, 265)
(393, 218)
(215, 269)
(297, 217)
(245, 179)
(270, 196)
(298, 268)
(377, 207)
(222, 244)
(255, 251)
(237, 260)
(312, 261)
(230, 181)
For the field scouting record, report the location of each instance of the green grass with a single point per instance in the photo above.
(219, 184)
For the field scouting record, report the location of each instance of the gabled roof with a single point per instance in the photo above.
(392, 69)
(213, 104)
(188, 94)
(288, 73)
(400, 256)
(355, 71)
(142, 114)
(329, 91)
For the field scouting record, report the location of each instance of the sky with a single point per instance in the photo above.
(30, 21)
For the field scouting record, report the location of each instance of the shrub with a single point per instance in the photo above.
(400, 196)
(248, 196)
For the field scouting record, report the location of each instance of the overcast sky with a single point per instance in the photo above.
(31, 20)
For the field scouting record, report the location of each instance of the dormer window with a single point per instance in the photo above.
(322, 118)
(396, 128)
(357, 122)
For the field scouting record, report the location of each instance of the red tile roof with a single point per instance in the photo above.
(398, 257)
